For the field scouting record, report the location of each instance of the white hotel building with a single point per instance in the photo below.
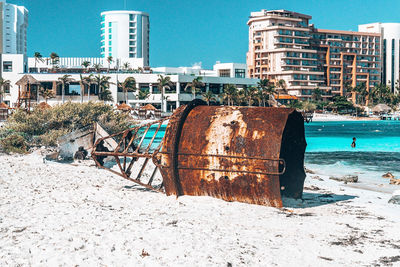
(390, 34)
(214, 80)
(14, 23)
(125, 35)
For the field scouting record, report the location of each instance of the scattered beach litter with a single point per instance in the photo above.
(395, 199)
(346, 178)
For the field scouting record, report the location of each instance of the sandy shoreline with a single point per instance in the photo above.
(62, 214)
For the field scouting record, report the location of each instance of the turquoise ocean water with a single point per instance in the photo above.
(329, 148)
(377, 148)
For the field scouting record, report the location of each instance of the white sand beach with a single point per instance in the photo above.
(55, 214)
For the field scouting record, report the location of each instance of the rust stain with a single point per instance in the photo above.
(244, 154)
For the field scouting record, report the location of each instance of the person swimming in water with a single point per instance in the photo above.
(353, 145)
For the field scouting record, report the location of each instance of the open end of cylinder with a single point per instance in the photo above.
(292, 151)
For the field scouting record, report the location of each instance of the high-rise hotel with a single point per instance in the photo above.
(125, 34)
(283, 45)
(390, 33)
(14, 23)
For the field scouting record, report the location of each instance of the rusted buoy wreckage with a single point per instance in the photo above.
(247, 154)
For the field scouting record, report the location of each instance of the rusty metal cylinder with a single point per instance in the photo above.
(246, 154)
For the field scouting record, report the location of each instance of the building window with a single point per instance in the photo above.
(131, 30)
(109, 43)
(110, 37)
(131, 49)
(109, 30)
(132, 43)
(131, 54)
(109, 24)
(384, 62)
(131, 24)
(132, 36)
(240, 73)
(224, 73)
(392, 78)
(131, 17)
(7, 88)
(7, 66)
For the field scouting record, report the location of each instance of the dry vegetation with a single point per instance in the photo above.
(43, 127)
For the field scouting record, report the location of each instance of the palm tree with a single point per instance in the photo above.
(106, 96)
(379, 93)
(195, 86)
(3, 82)
(97, 67)
(109, 61)
(104, 92)
(208, 96)
(143, 94)
(126, 66)
(230, 93)
(46, 93)
(260, 97)
(38, 58)
(317, 94)
(97, 82)
(86, 64)
(129, 85)
(82, 83)
(66, 79)
(308, 106)
(362, 92)
(281, 86)
(163, 82)
(249, 94)
(347, 88)
(267, 89)
(89, 80)
(54, 58)
(394, 101)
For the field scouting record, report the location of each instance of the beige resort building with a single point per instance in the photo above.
(284, 46)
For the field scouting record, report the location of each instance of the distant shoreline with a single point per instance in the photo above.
(334, 117)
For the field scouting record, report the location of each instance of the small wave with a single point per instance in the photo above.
(372, 161)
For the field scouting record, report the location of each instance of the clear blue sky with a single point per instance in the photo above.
(183, 32)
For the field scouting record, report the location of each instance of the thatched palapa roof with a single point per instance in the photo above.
(124, 106)
(27, 79)
(4, 106)
(381, 108)
(149, 107)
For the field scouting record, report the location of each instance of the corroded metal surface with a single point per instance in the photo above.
(234, 153)
(246, 154)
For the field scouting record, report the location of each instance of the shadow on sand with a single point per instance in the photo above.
(310, 200)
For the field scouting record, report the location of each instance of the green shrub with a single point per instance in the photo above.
(14, 143)
(44, 127)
